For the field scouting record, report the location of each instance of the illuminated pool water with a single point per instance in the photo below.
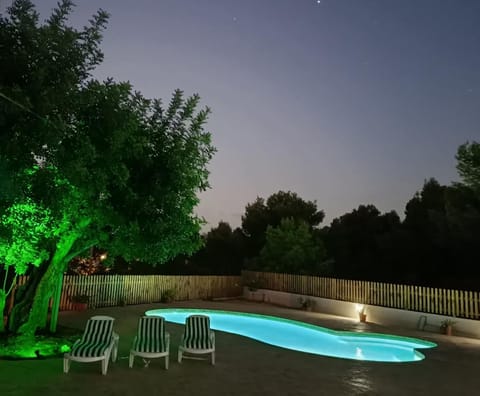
(304, 337)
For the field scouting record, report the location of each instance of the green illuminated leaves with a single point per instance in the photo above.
(25, 226)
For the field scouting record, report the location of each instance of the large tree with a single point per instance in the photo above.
(222, 252)
(442, 235)
(291, 248)
(25, 227)
(282, 205)
(360, 243)
(427, 238)
(111, 168)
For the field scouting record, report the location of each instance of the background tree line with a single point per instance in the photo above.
(436, 244)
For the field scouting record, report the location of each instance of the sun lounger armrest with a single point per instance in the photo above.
(75, 343)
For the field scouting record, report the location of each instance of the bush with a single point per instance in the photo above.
(80, 299)
(167, 296)
(254, 283)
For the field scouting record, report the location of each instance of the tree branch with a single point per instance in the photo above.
(76, 253)
(14, 282)
(6, 276)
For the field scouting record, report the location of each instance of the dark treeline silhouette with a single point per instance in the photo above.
(436, 244)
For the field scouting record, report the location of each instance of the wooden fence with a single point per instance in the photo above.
(113, 290)
(459, 303)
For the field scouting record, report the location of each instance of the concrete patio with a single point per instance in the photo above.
(247, 367)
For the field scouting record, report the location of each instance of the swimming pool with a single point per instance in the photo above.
(304, 337)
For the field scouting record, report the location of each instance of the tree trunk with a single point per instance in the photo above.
(9, 282)
(24, 297)
(39, 296)
(57, 295)
(3, 299)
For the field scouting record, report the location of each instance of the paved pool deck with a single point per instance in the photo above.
(247, 367)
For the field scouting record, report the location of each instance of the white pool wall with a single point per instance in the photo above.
(381, 315)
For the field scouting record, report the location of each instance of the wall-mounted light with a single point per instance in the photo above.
(359, 308)
(362, 316)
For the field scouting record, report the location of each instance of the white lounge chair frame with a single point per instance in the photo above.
(95, 323)
(150, 329)
(198, 338)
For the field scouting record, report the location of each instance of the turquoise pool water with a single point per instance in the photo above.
(304, 337)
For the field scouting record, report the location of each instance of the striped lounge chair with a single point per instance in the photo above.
(197, 338)
(151, 341)
(98, 342)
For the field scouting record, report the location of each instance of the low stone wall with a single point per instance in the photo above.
(375, 314)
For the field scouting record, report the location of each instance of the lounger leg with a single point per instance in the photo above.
(115, 347)
(179, 356)
(213, 358)
(166, 362)
(114, 351)
(130, 360)
(105, 365)
(66, 365)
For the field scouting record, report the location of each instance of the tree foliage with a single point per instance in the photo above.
(468, 164)
(436, 244)
(221, 254)
(43, 68)
(360, 243)
(291, 248)
(282, 205)
(442, 226)
(25, 228)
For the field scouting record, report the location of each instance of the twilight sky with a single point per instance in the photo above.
(345, 102)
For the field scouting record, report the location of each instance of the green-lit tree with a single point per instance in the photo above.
(291, 248)
(109, 167)
(24, 229)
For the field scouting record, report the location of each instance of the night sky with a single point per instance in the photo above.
(345, 102)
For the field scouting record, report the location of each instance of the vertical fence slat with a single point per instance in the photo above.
(476, 303)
